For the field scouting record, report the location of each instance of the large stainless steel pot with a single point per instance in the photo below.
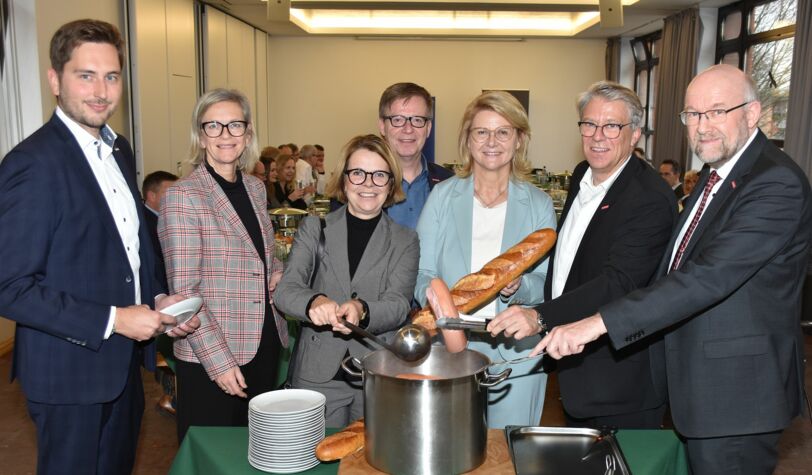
(425, 427)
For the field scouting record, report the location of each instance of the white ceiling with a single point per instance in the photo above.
(643, 17)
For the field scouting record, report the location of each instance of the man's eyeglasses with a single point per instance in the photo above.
(714, 116)
(610, 131)
(358, 176)
(417, 121)
(502, 134)
(214, 129)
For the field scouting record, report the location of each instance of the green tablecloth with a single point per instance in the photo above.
(224, 450)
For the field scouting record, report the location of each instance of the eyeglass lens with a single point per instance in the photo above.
(215, 129)
(358, 176)
(417, 121)
(610, 131)
(502, 134)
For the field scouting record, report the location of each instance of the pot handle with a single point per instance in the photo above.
(355, 362)
(490, 380)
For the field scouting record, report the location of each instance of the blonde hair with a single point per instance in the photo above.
(281, 160)
(504, 104)
(375, 144)
(197, 154)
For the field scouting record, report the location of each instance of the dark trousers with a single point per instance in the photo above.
(202, 403)
(753, 454)
(74, 439)
(647, 419)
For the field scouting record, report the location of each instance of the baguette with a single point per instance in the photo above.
(474, 290)
(341, 444)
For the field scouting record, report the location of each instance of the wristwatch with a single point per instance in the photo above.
(541, 323)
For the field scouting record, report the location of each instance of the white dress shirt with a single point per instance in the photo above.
(723, 172)
(578, 218)
(120, 201)
(487, 228)
(304, 176)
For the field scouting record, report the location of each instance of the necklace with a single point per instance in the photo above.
(491, 203)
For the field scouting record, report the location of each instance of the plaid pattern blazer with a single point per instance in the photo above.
(209, 254)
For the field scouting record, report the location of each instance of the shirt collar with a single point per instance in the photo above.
(586, 181)
(725, 169)
(82, 136)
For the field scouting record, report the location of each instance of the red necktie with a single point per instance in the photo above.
(712, 180)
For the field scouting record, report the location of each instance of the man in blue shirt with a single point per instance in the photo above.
(404, 120)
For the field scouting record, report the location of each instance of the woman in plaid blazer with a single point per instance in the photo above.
(367, 266)
(217, 241)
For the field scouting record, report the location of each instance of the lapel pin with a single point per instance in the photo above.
(605, 207)
(733, 184)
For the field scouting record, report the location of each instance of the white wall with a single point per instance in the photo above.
(235, 55)
(326, 90)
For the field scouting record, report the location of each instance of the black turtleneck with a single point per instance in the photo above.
(238, 196)
(359, 231)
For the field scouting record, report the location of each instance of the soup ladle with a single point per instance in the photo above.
(410, 343)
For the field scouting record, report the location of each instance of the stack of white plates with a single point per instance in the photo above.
(284, 428)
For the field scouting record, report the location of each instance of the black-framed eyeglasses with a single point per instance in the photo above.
(358, 176)
(417, 121)
(214, 129)
(482, 135)
(610, 131)
(714, 116)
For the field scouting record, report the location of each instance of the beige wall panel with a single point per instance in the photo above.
(182, 98)
(214, 48)
(180, 24)
(331, 88)
(248, 57)
(260, 106)
(50, 15)
(152, 137)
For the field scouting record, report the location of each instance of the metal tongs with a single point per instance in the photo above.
(465, 322)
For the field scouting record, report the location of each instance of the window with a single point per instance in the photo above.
(646, 51)
(757, 36)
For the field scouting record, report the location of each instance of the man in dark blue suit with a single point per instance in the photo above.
(729, 291)
(78, 268)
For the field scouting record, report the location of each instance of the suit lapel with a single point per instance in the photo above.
(738, 176)
(631, 169)
(462, 210)
(221, 203)
(517, 199)
(265, 226)
(335, 248)
(82, 168)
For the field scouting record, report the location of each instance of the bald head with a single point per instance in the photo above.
(728, 107)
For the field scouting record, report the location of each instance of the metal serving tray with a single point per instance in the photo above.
(564, 450)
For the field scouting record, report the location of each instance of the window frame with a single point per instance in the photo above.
(646, 64)
(746, 40)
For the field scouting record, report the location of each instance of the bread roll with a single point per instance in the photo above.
(341, 444)
(474, 290)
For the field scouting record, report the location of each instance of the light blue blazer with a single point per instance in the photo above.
(444, 229)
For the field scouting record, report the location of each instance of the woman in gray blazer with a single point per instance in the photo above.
(365, 271)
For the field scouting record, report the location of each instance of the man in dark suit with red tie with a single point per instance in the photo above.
(78, 270)
(729, 293)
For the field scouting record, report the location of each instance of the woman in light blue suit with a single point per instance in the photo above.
(475, 216)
